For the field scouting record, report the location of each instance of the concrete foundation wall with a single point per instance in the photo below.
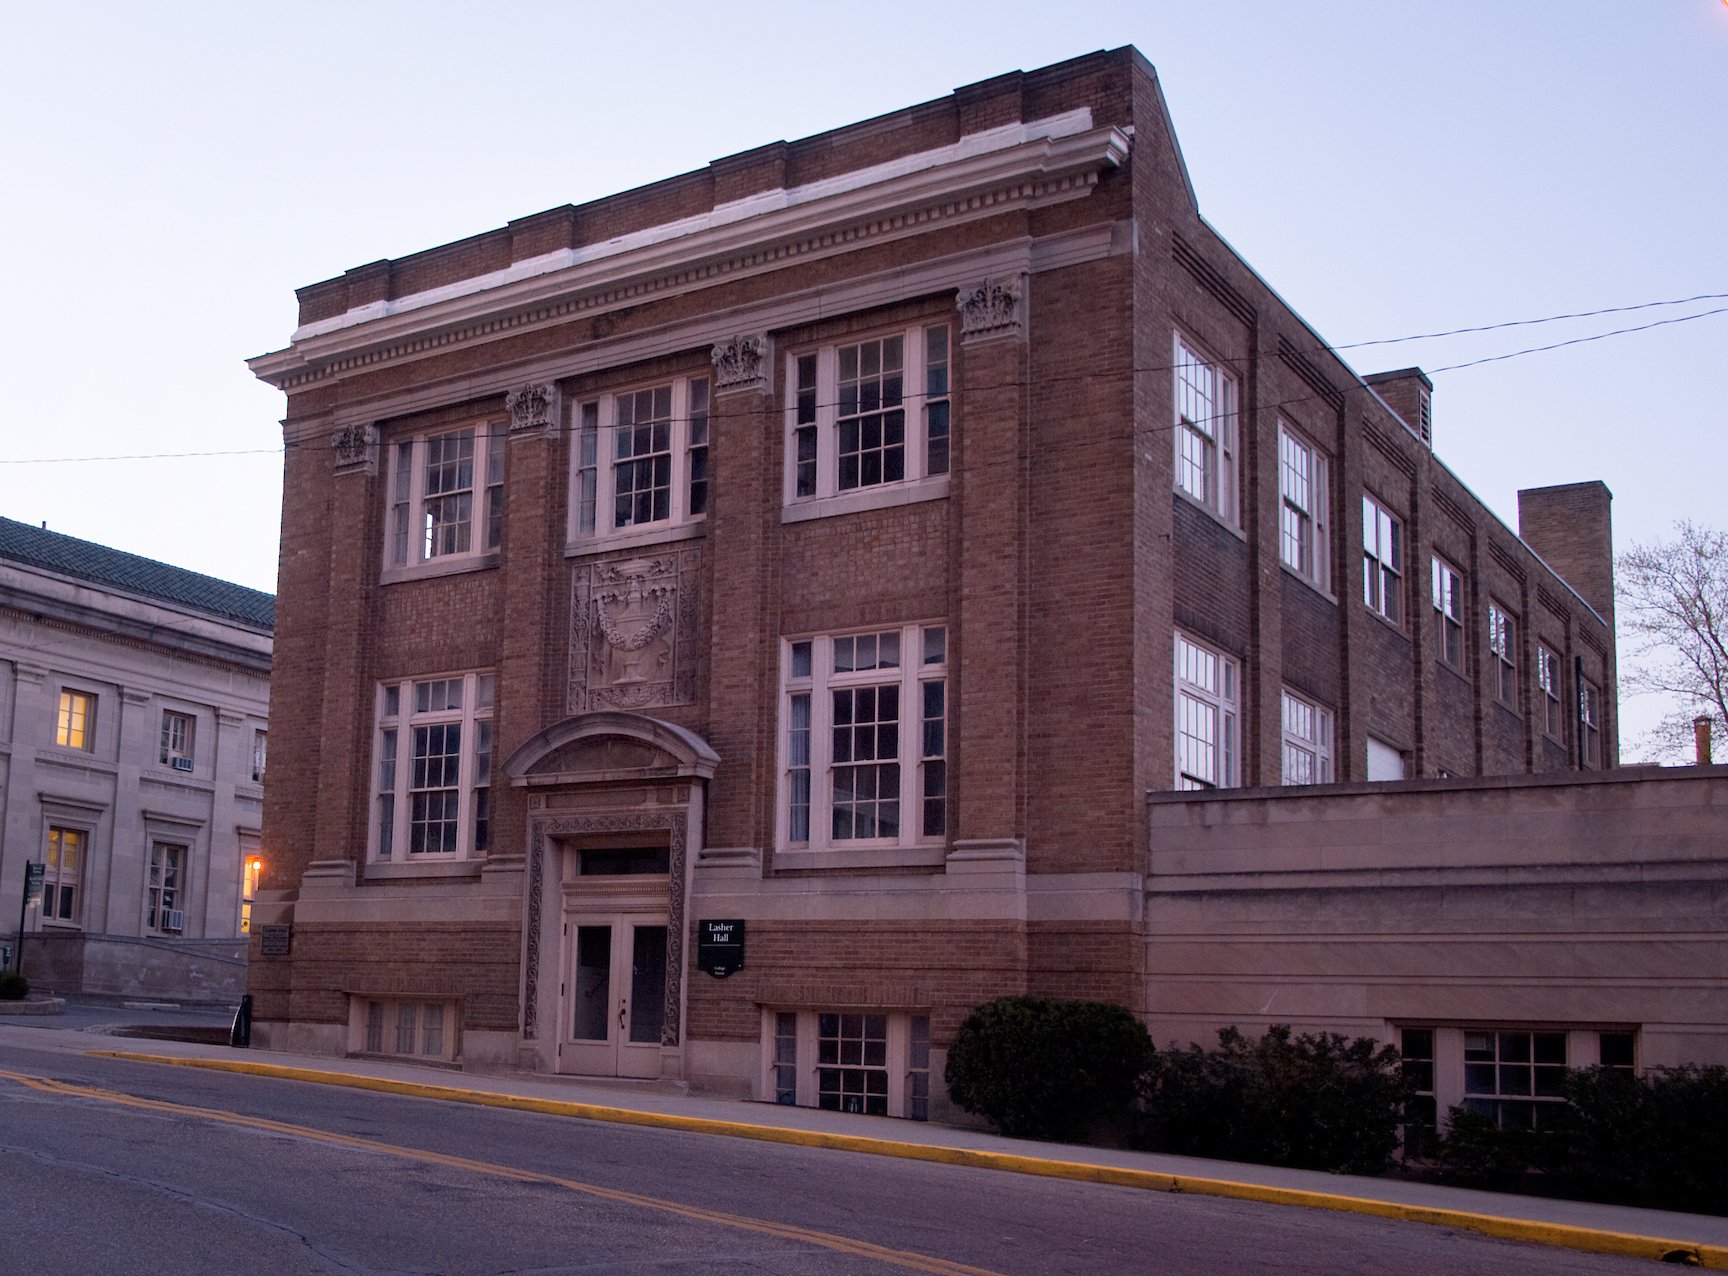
(199, 971)
(1543, 904)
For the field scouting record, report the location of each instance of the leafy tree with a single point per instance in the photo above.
(1673, 606)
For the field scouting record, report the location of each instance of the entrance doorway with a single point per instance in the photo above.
(615, 1003)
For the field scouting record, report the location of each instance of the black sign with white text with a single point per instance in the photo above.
(720, 947)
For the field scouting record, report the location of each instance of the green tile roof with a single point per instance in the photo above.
(84, 560)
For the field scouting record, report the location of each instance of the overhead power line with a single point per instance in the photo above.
(1135, 371)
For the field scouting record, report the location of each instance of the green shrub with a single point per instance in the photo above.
(1654, 1140)
(1475, 1151)
(13, 986)
(1315, 1101)
(1042, 1068)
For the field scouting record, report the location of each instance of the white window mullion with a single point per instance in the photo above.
(821, 744)
(911, 732)
(468, 724)
(827, 419)
(678, 500)
(914, 393)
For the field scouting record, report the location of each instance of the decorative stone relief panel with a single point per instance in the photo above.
(356, 448)
(533, 408)
(992, 309)
(741, 364)
(539, 855)
(633, 631)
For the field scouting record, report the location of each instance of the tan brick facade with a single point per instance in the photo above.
(1029, 250)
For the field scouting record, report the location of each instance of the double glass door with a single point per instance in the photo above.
(615, 1006)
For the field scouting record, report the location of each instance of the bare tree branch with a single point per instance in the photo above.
(1673, 602)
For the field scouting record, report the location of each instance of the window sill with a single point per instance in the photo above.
(1314, 585)
(377, 870)
(863, 857)
(1453, 672)
(1217, 516)
(658, 534)
(872, 498)
(82, 759)
(448, 566)
(1395, 626)
(418, 1060)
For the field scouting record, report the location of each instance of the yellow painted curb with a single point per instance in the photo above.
(1586, 1239)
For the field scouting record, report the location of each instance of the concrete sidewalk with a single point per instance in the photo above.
(1693, 1239)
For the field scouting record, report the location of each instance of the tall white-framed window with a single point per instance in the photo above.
(165, 889)
(260, 754)
(432, 768)
(864, 741)
(1448, 594)
(75, 720)
(1382, 561)
(251, 873)
(446, 496)
(869, 416)
(1503, 654)
(1205, 429)
(1302, 523)
(176, 740)
(1589, 723)
(640, 461)
(1307, 741)
(63, 873)
(1208, 692)
(1548, 679)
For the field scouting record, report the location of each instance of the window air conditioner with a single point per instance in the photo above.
(182, 764)
(174, 919)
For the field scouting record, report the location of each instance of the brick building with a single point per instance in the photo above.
(842, 540)
(133, 716)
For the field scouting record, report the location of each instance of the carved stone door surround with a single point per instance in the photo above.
(599, 775)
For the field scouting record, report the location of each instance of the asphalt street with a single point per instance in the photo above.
(121, 1167)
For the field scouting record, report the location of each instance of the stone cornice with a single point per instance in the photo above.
(73, 607)
(1023, 166)
(701, 332)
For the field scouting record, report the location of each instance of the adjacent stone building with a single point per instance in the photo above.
(730, 628)
(133, 716)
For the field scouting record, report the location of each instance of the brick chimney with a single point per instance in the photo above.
(1571, 526)
(1701, 738)
(1410, 394)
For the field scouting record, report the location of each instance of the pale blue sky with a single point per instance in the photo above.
(173, 172)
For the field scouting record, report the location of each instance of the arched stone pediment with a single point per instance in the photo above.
(610, 745)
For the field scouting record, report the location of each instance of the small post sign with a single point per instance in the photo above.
(720, 947)
(33, 875)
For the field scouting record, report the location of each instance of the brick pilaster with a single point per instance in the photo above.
(743, 646)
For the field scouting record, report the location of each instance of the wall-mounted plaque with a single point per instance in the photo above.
(720, 947)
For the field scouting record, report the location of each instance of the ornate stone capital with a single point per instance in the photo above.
(356, 448)
(992, 309)
(534, 407)
(741, 364)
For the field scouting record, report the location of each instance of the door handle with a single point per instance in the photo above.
(620, 1016)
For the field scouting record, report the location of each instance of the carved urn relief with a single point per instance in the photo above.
(633, 632)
